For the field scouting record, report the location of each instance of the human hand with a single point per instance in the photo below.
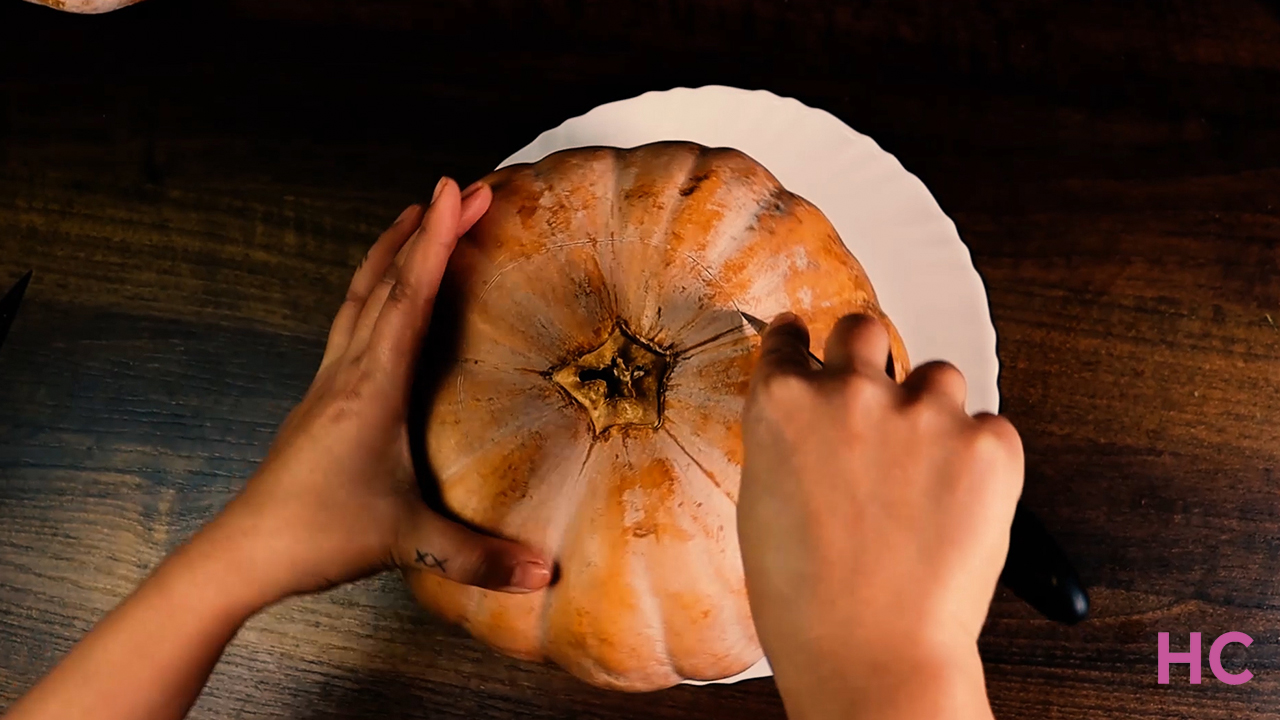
(337, 498)
(874, 521)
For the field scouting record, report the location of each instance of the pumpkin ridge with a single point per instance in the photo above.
(706, 637)
(645, 585)
(705, 472)
(736, 236)
(494, 439)
(596, 243)
(615, 227)
(579, 486)
(693, 321)
(613, 565)
(673, 208)
(702, 168)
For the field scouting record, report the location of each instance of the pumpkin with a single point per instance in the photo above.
(589, 401)
(87, 7)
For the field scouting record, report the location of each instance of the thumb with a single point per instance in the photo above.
(431, 543)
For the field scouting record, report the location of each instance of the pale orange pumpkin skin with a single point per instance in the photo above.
(85, 7)
(666, 241)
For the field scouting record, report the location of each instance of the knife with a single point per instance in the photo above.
(1036, 568)
(9, 305)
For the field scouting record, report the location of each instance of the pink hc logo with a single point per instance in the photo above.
(1193, 658)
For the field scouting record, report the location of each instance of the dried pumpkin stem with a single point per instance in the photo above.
(618, 383)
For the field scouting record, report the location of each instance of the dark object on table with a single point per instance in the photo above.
(1038, 571)
(9, 305)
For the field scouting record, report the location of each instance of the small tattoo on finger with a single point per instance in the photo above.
(430, 561)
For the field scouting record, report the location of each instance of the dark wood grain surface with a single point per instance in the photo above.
(193, 182)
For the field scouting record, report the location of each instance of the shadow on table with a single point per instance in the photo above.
(386, 694)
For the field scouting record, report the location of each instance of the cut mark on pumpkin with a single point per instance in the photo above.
(691, 350)
(501, 367)
(699, 465)
(695, 176)
(595, 242)
(525, 258)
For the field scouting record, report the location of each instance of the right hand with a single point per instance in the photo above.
(874, 522)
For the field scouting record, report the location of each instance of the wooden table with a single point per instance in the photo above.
(193, 183)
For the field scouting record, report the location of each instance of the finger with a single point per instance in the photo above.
(386, 285)
(436, 545)
(937, 379)
(859, 344)
(407, 312)
(784, 348)
(366, 276)
(475, 202)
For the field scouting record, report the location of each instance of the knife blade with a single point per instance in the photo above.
(1036, 568)
(9, 305)
(760, 326)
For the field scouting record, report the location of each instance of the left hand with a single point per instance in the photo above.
(337, 497)
(335, 500)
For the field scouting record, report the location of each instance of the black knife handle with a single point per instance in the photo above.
(1038, 571)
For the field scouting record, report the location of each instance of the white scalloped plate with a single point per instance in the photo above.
(920, 268)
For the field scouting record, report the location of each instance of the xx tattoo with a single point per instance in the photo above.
(428, 560)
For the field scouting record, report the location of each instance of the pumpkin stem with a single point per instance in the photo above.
(618, 383)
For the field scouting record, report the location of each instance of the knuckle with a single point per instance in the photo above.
(927, 419)
(469, 565)
(991, 446)
(780, 399)
(922, 413)
(784, 389)
(858, 393)
(338, 412)
(943, 370)
(939, 374)
(351, 387)
(786, 336)
(775, 351)
(854, 323)
(399, 292)
(1001, 431)
(983, 447)
(351, 396)
(354, 297)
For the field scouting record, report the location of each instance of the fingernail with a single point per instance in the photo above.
(406, 213)
(439, 188)
(529, 575)
(472, 188)
(783, 318)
